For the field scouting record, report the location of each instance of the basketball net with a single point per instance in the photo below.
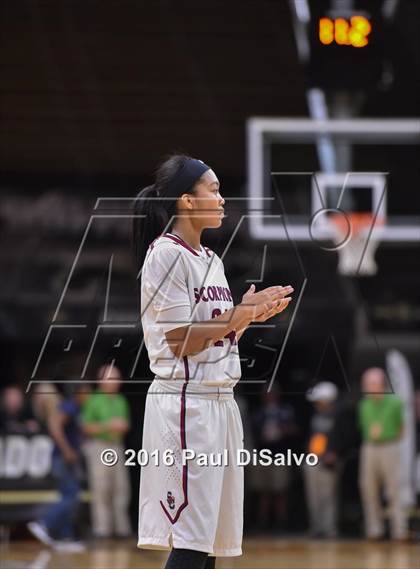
(357, 238)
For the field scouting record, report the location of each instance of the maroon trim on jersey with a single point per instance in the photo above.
(184, 504)
(180, 241)
(206, 249)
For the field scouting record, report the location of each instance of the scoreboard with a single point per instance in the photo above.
(347, 49)
(344, 32)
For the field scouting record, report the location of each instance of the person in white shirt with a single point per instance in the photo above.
(191, 330)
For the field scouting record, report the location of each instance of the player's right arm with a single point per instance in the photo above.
(198, 336)
(164, 284)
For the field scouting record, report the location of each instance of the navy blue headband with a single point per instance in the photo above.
(191, 171)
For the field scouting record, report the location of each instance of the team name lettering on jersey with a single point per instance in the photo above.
(212, 292)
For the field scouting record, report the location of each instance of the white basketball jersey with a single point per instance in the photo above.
(180, 285)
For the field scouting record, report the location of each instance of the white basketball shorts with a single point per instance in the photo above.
(188, 505)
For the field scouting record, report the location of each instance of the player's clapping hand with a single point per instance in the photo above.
(268, 302)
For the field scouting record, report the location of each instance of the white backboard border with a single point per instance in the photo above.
(262, 131)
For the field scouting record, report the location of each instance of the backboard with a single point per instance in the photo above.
(304, 170)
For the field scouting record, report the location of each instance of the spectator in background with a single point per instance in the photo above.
(46, 401)
(274, 428)
(16, 415)
(106, 422)
(381, 420)
(56, 527)
(321, 479)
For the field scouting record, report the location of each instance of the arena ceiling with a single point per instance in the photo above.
(93, 87)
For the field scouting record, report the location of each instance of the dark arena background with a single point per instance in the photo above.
(309, 113)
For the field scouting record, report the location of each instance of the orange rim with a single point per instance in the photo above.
(356, 221)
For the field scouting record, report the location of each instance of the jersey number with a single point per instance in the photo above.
(232, 334)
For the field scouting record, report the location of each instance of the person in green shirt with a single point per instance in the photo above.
(106, 420)
(381, 421)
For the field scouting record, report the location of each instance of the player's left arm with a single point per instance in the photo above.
(239, 333)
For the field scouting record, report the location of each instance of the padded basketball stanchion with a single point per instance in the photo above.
(357, 236)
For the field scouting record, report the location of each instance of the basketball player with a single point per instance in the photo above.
(191, 330)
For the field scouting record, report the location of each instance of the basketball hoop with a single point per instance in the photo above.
(356, 237)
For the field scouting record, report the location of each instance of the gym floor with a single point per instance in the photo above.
(258, 554)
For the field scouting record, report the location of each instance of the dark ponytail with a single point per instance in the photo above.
(157, 212)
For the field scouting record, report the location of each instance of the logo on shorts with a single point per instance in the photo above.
(171, 500)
